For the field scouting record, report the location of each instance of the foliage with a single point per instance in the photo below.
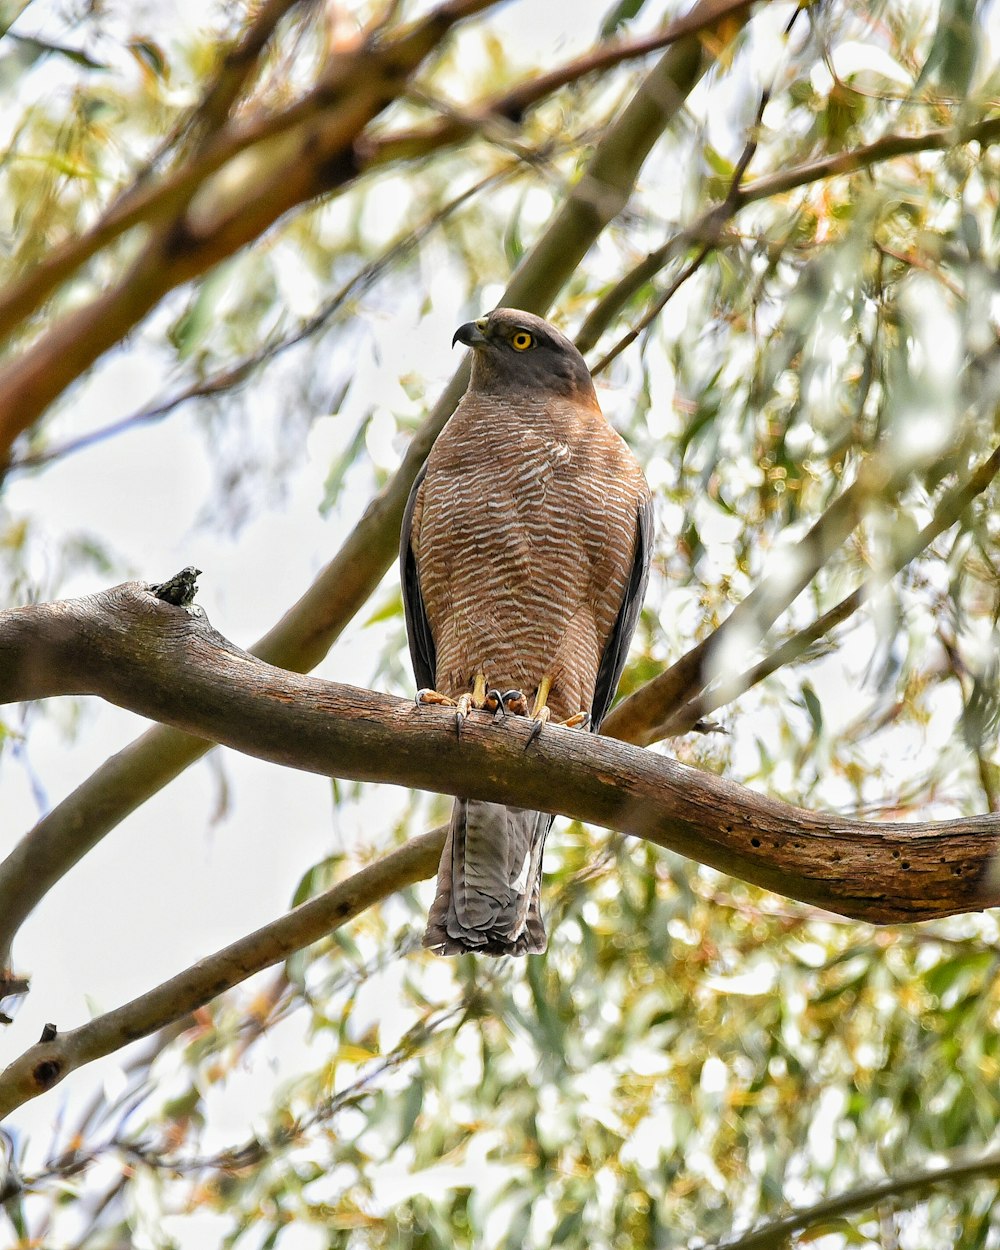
(692, 1056)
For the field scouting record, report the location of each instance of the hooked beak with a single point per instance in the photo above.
(471, 334)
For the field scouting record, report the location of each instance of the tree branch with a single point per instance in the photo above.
(511, 105)
(644, 716)
(313, 147)
(706, 234)
(777, 1235)
(145, 198)
(711, 240)
(947, 513)
(236, 373)
(310, 627)
(168, 663)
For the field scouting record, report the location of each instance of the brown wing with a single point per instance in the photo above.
(616, 650)
(423, 653)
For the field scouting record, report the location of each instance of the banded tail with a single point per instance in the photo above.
(489, 882)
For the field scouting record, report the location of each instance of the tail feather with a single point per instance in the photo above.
(489, 882)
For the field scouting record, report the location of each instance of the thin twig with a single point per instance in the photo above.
(779, 1233)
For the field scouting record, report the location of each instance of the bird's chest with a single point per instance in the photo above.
(516, 507)
(492, 495)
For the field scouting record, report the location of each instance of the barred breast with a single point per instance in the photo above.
(524, 531)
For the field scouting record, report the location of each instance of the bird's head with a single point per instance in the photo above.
(514, 350)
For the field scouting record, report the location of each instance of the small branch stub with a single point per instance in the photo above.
(180, 589)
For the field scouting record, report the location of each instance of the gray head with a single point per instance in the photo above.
(514, 350)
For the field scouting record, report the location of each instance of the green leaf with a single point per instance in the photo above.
(150, 56)
(812, 705)
(389, 610)
(954, 51)
(718, 163)
(413, 1101)
(567, 1228)
(191, 329)
(340, 467)
(10, 11)
(35, 49)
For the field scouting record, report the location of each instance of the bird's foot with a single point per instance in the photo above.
(479, 699)
(433, 697)
(483, 698)
(501, 702)
(489, 699)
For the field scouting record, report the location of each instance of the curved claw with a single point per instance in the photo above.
(541, 718)
(462, 709)
(500, 702)
(580, 721)
(494, 703)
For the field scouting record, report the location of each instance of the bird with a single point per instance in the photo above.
(525, 549)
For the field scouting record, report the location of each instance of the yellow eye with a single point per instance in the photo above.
(521, 341)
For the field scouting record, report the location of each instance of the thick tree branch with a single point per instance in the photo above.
(170, 664)
(911, 1187)
(310, 627)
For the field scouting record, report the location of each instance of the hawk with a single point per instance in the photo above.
(524, 556)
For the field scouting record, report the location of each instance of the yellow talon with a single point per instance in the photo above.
(540, 712)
